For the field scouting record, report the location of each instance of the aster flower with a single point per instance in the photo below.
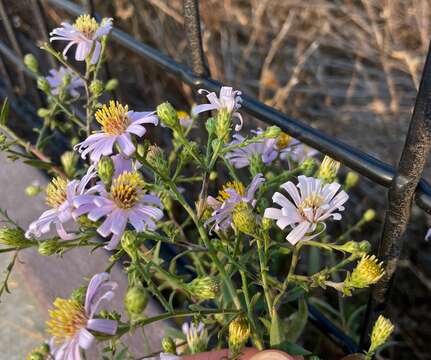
(242, 156)
(71, 321)
(312, 205)
(55, 81)
(232, 194)
(428, 235)
(125, 202)
(228, 99)
(60, 194)
(294, 150)
(185, 120)
(118, 123)
(86, 34)
(197, 337)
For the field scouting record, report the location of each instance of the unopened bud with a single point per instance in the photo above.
(328, 169)
(168, 345)
(354, 247)
(79, 294)
(33, 190)
(31, 62)
(213, 175)
(69, 160)
(223, 124)
(266, 223)
(204, 288)
(13, 237)
(369, 215)
(111, 85)
(96, 87)
(105, 170)
(210, 125)
(128, 243)
(244, 219)
(49, 247)
(256, 165)
(156, 159)
(351, 180)
(381, 332)
(168, 115)
(272, 132)
(136, 300)
(43, 85)
(239, 332)
(43, 113)
(307, 166)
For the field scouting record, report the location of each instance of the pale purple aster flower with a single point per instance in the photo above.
(314, 203)
(241, 157)
(126, 202)
(228, 99)
(231, 195)
(60, 194)
(71, 321)
(55, 81)
(428, 235)
(122, 164)
(197, 336)
(297, 151)
(118, 124)
(86, 34)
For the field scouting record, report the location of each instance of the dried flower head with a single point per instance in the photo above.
(381, 332)
(239, 332)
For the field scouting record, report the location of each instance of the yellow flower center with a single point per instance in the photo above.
(313, 201)
(113, 118)
(283, 141)
(56, 192)
(368, 270)
(234, 185)
(87, 25)
(67, 319)
(126, 189)
(182, 115)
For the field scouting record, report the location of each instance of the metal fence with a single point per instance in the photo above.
(404, 183)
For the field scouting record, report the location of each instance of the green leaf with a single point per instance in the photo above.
(276, 333)
(4, 112)
(39, 164)
(292, 349)
(297, 322)
(265, 322)
(122, 354)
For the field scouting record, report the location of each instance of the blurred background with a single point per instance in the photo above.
(348, 68)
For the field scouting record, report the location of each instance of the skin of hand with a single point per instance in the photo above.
(247, 354)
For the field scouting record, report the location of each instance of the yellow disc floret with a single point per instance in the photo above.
(126, 189)
(67, 319)
(113, 118)
(87, 25)
(283, 141)
(56, 192)
(234, 185)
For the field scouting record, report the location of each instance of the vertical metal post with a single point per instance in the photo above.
(400, 196)
(194, 36)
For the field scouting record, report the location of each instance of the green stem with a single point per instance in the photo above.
(264, 274)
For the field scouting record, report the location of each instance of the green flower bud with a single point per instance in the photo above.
(354, 247)
(42, 112)
(210, 125)
(111, 85)
(156, 159)
(369, 215)
(307, 166)
(43, 85)
(49, 247)
(351, 180)
(31, 62)
(256, 165)
(204, 288)
(168, 115)
(96, 87)
(213, 175)
(328, 169)
(272, 132)
(33, 190)
(79, 294)
(266, 223)
(13, 237)
(106, 169)
(69, 160)
(168, 345)
(223, 125)
(244, 219)
(128, 243)
(136, 300)
(239, 332)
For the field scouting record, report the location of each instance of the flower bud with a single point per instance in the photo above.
(43, 113)
(105, 170)
(79, 294)
(354, 247)
(49, 247)
(13, 237)
(213, 175)
(368, 271)
(369, 215)
(239, 332)
(210, 125)
(156, 159)
(33, 190)
(136, 300)
(204, 288)
(43, 85)
(351, 180)
(256, 164)
(307, 166)
(272, 132)
(328, 169)
(168, 115)
(223, 124)
(128, 243)
(168, 345)
(111, 85)
(244, 219)
(96, 87)
(381, 332)
(266, 223)
(31, 62)
(69, 160)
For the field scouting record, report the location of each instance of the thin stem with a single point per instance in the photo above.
(264, 274)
